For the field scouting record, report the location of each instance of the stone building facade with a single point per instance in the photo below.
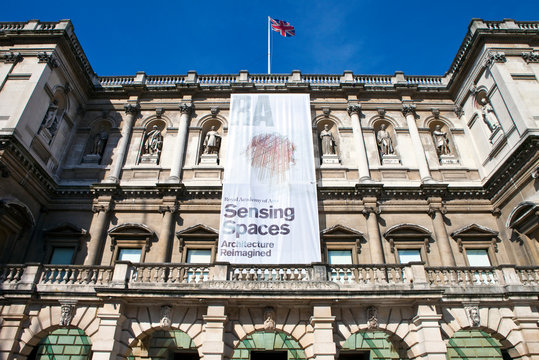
(110, 195)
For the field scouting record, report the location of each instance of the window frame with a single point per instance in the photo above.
(475, 236)
(409, 237)
(197, 237)
(340, 237)
(130, 236)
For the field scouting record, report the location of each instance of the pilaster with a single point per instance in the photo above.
(99, 225)
(106, 343)
(371, 212)
(322, 322)
(214, 328)
(408, 109)
(12, 319)
(437, 212)
(429, 343)
(354, 110)
(181, 142)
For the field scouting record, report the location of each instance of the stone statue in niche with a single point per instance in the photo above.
(50, 121)
(153, 141)
(98, 144)
(269, 319)
(100, 141)
(441, 141)
(328, 142)
(385, 144)
(487, 113)
(212, 142)
(152, 146)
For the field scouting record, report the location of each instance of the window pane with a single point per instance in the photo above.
(199, 256)
(409, 255)
(62, 255)
(342, 257)
(132, 255)
(478, 257)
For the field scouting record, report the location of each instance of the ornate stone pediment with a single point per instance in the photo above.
(474, 233)
(197, 233)
(408, 233)
(341, 232)
(65, 230)
(132, 233)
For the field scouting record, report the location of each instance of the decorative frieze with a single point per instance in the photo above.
(12, 57)
(49, 59)
(530, 56)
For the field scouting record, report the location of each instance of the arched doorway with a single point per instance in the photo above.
(370, 345)
(165, 345)
(272, 345)
(63, 343)
(475, 344)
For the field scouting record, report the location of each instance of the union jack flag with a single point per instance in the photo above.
(282, 27)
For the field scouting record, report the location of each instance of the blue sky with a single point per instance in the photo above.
(367, 37)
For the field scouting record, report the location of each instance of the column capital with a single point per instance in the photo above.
(530, 57)
(494, 57)
(368, 210)
(354, 109)
(408, 109)
(168, 208)
(48, 58)
(101, 207)
(131, 109)
(458, 110)
(433, 209)
(186, 108)
(12, 57)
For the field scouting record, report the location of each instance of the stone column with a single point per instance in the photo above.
(213, 346)
(322, 322)
(437, 212)
(363, 164)
(181, 142)
(100, 223)
(12, 318)
(409, 112)
(429, 344)
(526, 319)
(169, 212)
(375, 242)
(106, 342)
(127, 128)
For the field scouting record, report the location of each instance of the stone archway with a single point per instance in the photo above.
(63, 343)
(473, 344)
(263, 341)
(377, 343)
(160, 344)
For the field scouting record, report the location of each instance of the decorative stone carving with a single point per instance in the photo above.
(487, 113)
(131, 109)
(186, 108)
(372, 316)
(408, 109)
(12, 57)
(67, 311)
(441, 142)
(50, 59)
(269, 319)
(166, 316)
(152, 146)
(212, 142)
(328, 142)
(354, 109)
(326, 110)
(494, 57)
(214, 111)
(459, 111)
(50, 121)
(159, 112)
(99, 143)
(385, 144)
(530, 57)
(472, 312)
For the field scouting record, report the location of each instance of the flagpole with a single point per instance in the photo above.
(269, 46)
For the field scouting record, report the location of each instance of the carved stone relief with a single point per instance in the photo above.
(269, 319)
(68, 308)
(472, 312)
(166, 316)
(372, 316)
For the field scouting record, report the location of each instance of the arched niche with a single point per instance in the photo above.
(211, 137)
(16, 224)
(328, 140)
(152, 141)
(442, 139)
(96, 150)
(386, 140)
(56, 111)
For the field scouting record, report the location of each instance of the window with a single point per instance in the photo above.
(340, 257)
(477, 257)
(62, 256)
(409, 255)
(133, 255)
(199, 256)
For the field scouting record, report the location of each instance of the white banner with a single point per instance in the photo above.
(269, 212)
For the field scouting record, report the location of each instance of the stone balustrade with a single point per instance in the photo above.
(91, 279)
